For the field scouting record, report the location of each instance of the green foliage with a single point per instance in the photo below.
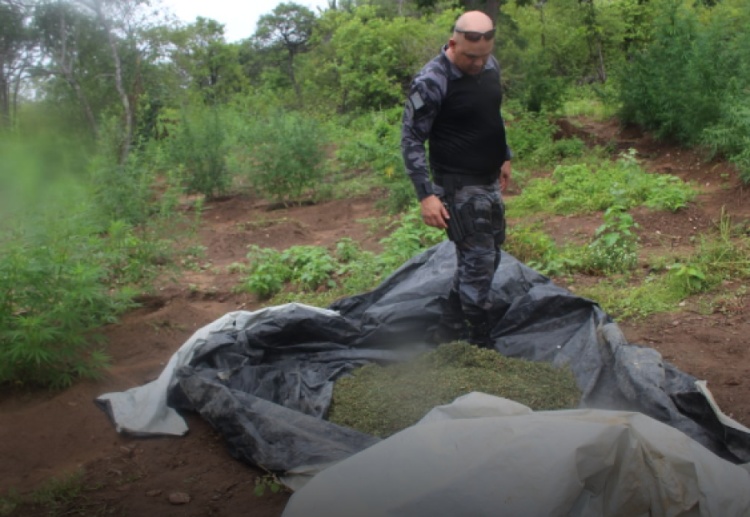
(287, 153)
(730, 136)
(598, 102)
(410, 237)
(66, 268)
(123, 191)
(347, 271)
(311, 266)
(615, 248)
(306, 267)
(717, 259)
(623, 301)
(52, 296)
(364, 61)
(528, 133)
(530, 136)
(688, 82)
(267, 273)
(581, 188)
(267, 483)
(373, 145)
(539, 251)
(198, 148)
(208, 67)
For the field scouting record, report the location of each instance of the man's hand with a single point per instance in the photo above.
(505, 176)
(434, 213)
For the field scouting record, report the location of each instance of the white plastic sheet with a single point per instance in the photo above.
(484, 455)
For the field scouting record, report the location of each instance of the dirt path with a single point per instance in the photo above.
(44, 436)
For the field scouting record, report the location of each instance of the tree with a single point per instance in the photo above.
(98, 49)
(206, 61)
(14, 56)
(289, 27)
(69, 43)
(98, 7)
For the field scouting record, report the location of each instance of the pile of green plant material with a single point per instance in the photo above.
(382, 400)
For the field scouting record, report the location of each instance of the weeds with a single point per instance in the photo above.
(581, 188)
(349, 270)
(615, 248)
(715, 261)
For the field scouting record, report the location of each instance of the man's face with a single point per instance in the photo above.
(470, 57)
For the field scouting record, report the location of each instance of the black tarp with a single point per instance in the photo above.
(267, 386)
(264, 380)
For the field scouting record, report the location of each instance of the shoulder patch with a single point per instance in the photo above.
(416, 101)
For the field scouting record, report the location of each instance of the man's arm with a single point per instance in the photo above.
(505, 171)
(420, 111)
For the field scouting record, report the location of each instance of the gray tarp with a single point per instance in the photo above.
(484, 455)
(264, 379)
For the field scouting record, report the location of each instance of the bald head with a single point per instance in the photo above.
(475, 21)
(472, 41)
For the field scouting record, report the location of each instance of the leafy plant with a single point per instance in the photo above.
(52, 296)
(410, 237)
(287, 156)
(267, 272)
(583, 188)
(311, 266)
(198, 148)
(267, 483)
(374, 146)
(615, 248)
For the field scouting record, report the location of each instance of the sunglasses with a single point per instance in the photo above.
(474, 36)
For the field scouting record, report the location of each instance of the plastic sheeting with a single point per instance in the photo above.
(264, 379)
(485, 455)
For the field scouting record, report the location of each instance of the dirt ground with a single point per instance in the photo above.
(45, 436)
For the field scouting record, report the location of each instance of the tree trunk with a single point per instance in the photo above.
(4, 98)
(66, 70)
(126, 106)
(293, 78)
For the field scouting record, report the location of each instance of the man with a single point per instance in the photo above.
(454, 104)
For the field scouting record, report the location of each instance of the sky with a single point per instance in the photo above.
(238, 16)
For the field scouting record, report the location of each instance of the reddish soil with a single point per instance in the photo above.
(45, 436)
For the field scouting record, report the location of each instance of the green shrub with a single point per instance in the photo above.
(198, 148)
(53, 294)
(527, 132)
(122, 191)
(287, 154)
(267, 272)
(689, 82)
(311, 266)
(615, 248)
(730, 136)
(374, 146)
(71, 255)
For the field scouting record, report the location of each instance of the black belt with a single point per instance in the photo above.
(454, 182)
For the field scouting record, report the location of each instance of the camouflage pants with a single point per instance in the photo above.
(478, 255)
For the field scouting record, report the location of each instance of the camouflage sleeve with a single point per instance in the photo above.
(422, 106)
(508, 151)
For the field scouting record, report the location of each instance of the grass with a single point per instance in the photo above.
(58, 497)
(384, 400)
